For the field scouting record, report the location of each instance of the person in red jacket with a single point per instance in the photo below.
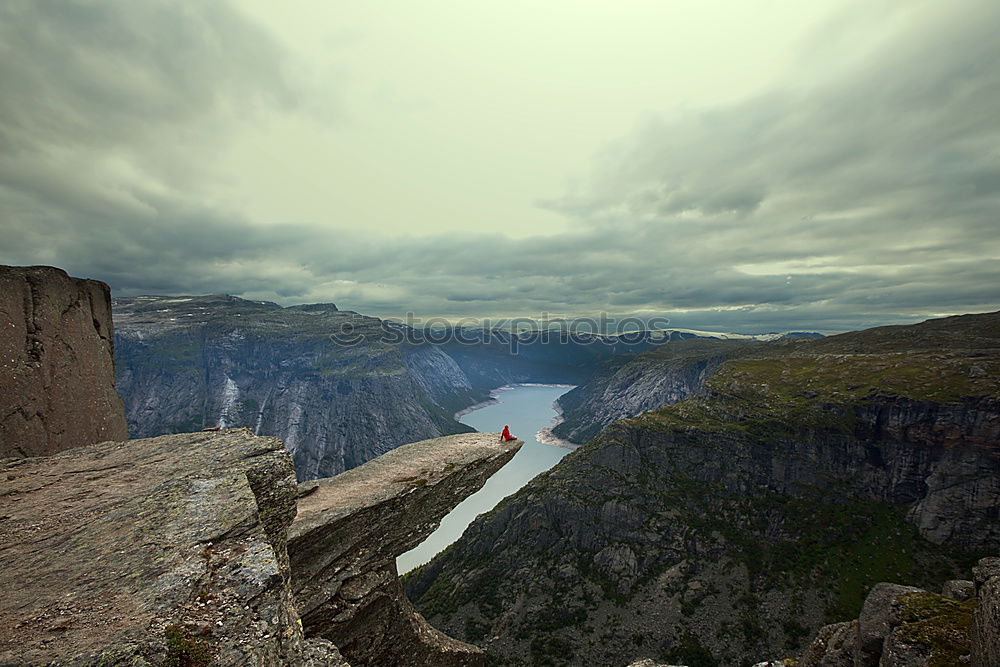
(505, 436)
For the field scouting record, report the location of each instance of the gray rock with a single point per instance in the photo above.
(876, 622)
(174, 548)
(57, 369)
(958, 589)
(350, 529)
(147, 548)
(834, 646)
(986, 625)
(898, 652)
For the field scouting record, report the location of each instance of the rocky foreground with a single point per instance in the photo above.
(200, 548)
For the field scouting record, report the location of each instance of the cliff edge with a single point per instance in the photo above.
(175, 550)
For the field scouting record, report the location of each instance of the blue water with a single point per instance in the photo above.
(526, 408)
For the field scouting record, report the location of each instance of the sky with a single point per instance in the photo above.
(741, 166)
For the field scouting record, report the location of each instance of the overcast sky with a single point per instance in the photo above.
(747, 166)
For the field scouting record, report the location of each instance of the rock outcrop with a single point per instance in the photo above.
(57, 371)
(349, 530)
(174, 550)
(132, 551)
(737, 522)
(903, 626)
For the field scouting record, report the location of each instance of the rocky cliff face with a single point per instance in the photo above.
(337, 387)
(176, 551)
(350, 529)
(986, 620)
(628, 386)
(735, 523)
(57, 372)
(189, 363)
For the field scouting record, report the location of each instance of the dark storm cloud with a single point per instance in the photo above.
(867, 197)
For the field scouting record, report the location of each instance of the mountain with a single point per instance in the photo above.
(337, 387)
(628, 386)
(788, 478)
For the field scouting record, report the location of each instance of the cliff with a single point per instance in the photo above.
(349, 530)
(57, 371)
(337, 387)
(628, 386)
(185, 550)
(736, 522)
(186, 363)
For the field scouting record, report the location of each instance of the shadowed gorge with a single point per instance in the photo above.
(735, 522)
(337, 387)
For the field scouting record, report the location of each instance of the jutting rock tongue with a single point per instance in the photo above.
(350, 529)
(57, 369)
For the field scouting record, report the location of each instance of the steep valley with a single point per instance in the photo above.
(786, 480)
(337, 387)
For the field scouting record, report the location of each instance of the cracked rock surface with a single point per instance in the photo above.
(128, 552)
(175, 548)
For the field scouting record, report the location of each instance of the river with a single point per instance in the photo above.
(527, 409)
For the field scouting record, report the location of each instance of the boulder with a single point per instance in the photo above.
(876, 621)
(928, 629)
(833, 646)
(958, 589)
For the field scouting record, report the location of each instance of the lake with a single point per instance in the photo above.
(527, 409)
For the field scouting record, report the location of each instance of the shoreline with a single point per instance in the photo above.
(494, 393)
(547, 437)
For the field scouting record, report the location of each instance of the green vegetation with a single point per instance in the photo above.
(942, 625)
(939, 376)
(843, 548)
(475, 630)
(184, 649)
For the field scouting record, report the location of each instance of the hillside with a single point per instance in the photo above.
(733, 524)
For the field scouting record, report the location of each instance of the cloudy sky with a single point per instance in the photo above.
(736, 165)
